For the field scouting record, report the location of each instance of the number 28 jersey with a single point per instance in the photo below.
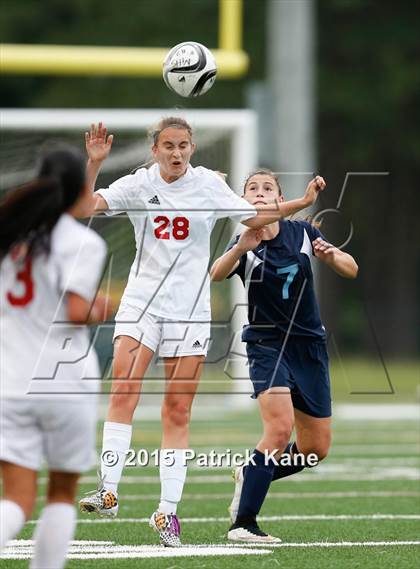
(279, 282)
(172, 225)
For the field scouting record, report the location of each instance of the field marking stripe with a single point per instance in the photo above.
(141, 552)
(275, 495)
(150, 551)
(401, 474)
(315, 517)
(341, 544)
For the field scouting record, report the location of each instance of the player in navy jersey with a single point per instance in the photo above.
(286, 347)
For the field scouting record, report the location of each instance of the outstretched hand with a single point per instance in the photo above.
(98, 143)
(323, 250)
(314, 187)
(250, 239)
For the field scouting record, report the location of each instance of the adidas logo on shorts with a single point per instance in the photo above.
(197, 344)
(154, 200)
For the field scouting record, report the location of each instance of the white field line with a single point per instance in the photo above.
(362, 449)
(315, 517)
(350, 465)
(107, 550)
(205, 410)
(341, 544)
(280, 495)
(377, 412)
(337, 471)
(358, 461)
(226, 479)
(325, 471)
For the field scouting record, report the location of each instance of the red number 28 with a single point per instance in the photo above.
(180, 227)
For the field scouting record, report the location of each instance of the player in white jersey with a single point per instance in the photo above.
(49, 274)
(166, 304)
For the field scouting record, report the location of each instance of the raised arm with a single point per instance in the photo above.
(339, 261)
(98, 147)
(227, 263)
(269, 213)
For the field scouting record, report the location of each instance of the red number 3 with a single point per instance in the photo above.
(180, 227)
(25, 277)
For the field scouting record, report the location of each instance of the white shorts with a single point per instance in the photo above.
(63, 433)
(174, 338)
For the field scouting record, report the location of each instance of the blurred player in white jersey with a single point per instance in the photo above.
(50, 270)
(166, 304)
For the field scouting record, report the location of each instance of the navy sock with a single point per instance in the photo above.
(281, 471)
(257, 480)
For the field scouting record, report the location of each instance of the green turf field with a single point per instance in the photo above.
(367, 491)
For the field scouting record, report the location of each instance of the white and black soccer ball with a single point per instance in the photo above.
(189, 69)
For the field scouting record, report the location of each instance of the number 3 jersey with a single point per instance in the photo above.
(40, 350)
(279, 282)
(172, 225)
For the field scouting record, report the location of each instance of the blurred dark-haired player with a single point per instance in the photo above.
(49, 273)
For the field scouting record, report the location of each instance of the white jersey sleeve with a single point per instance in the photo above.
(124, 195)
(226, 202)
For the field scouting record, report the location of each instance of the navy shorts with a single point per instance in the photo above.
(302, 366)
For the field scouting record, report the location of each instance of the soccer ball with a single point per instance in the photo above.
(189, 69)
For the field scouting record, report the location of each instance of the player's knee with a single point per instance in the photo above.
(321, 451)
(62, 487)
(65, 495)
(320, 448)
(124, 397)
(280, 434)
(24, 499)
(176, 413)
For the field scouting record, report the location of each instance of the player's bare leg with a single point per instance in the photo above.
(313, 434)
(19, 495)
(182, 377)
(131, 360)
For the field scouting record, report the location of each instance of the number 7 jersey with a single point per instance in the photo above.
(172, 226)
(279, 282)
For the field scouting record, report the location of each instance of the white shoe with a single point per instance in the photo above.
(168, 528)
(101, 501)
(238, 477)
(250, 533)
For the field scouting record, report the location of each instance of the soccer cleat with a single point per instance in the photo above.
(101, 501)
(168, 528)
(250, 532)
(238, 477)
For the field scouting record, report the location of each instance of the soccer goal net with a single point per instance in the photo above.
(226, 140)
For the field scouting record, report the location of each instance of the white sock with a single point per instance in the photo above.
(12, 519)
(172, 479)
(115, 444)
(52, 535)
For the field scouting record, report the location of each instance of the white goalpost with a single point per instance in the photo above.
(225, 135)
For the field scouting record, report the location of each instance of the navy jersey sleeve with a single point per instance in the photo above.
(312, 231)
(240, 269)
